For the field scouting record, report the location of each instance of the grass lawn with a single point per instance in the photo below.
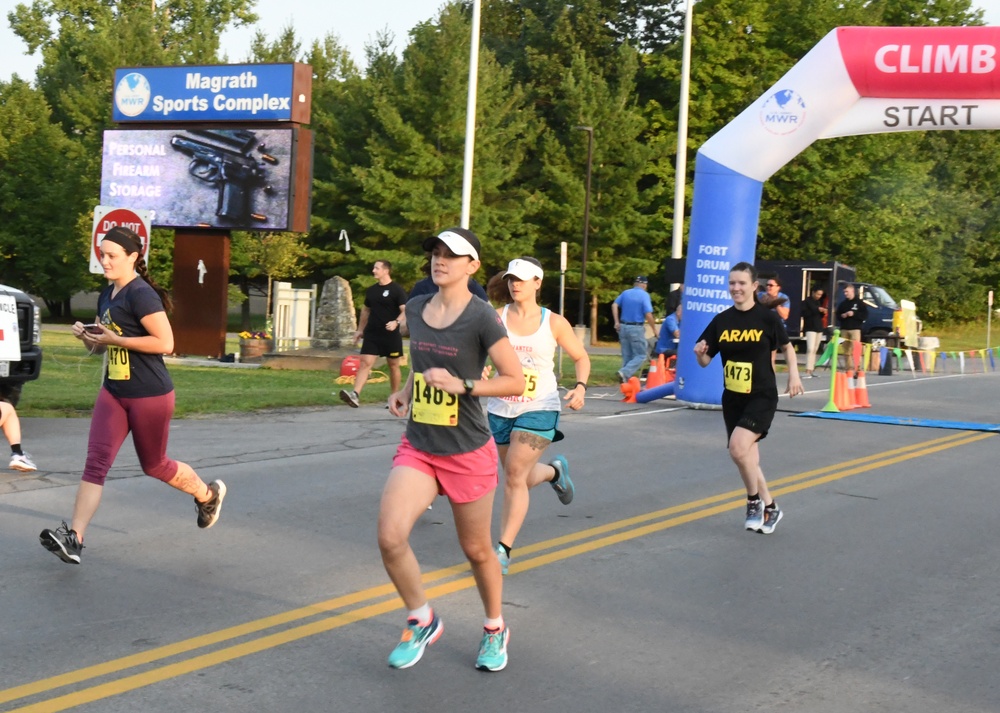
(961, 337)
(71, 378)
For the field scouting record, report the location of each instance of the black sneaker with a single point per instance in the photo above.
(208, 512)
(63, 543)
(350, 398)
(621, 377)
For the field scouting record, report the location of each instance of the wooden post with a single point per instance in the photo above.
(200, 292)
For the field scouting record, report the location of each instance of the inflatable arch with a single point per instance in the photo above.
(856, 80)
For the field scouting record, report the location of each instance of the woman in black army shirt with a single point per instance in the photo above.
(745, 335)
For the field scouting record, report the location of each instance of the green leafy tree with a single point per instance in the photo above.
(341, 121)
(411, 177)
(625, 237)
(81, 43)
(43, 248)
(256, 259)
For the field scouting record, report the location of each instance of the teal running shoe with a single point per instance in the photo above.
(415, 639)
(493, 650)
(504, 558)
(562, 484)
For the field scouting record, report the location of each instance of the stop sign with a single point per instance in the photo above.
(106, 218)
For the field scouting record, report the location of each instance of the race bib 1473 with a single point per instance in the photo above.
(738, 376)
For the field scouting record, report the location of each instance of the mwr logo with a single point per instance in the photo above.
(783, 112)
(132, 94)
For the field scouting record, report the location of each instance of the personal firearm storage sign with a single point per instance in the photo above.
(229, 178)
(225, 93)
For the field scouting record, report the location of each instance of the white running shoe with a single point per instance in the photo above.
(21, 462)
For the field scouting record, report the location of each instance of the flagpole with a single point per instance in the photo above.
(470, 117)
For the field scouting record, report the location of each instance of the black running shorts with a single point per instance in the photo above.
(753, 412)
(387, 344)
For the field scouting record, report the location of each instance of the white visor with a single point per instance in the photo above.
(456, 243)
(522, 270)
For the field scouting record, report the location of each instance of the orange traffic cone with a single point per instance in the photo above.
(862, 392)
(630, 388)
(852, 390)
(657, 373)
(841, 398)
(670, 371)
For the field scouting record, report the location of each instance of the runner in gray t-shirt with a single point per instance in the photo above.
(461, 348)
(447, 448)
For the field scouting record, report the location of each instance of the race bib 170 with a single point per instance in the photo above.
(118, 364)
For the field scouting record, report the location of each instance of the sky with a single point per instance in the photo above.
(312, 19)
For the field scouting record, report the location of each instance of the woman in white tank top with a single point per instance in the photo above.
(524, 425)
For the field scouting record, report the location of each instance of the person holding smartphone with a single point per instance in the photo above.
(137, 396)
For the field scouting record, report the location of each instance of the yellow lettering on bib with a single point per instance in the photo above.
(118, 364)
(738, 376)
(433, 406)
(530, 383)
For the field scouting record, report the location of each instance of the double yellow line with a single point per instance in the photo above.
(382, 599)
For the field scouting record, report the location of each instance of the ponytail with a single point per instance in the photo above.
(498, 291)
(143, 272)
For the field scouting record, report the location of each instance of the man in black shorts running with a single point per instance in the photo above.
(382, 316)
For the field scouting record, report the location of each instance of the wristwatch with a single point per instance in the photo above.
(469, 385)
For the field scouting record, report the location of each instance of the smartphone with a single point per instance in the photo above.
(93, 328)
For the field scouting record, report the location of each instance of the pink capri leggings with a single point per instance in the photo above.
(147, 418)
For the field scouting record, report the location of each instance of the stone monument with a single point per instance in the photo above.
(336, 320)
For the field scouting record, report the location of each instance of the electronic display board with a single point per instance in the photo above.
(226, 178)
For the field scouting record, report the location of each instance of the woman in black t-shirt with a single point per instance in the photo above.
(745, 335)
(137, 395)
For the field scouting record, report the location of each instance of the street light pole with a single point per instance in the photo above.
(586, 220)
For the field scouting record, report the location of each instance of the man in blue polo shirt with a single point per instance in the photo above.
(632, 309)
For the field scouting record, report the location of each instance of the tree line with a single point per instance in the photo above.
(914, 212)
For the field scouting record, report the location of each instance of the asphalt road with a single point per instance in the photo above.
(877, 592)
